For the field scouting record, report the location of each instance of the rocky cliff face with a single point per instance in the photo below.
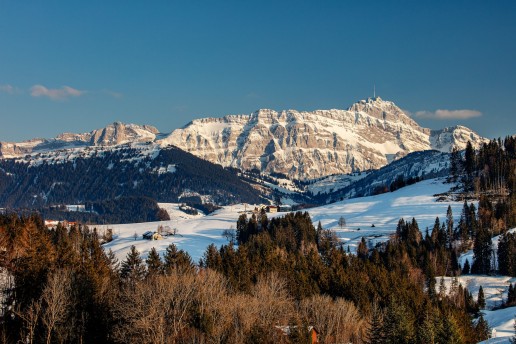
(368, 135)
(112, 135)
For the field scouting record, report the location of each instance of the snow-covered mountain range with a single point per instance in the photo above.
(114, 134)
(303, 145)
(368, 135)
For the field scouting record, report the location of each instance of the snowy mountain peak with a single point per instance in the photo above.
(454, 137)
(308, 144)
(301, 144)
(383, 110)
(112, 135)
(118, 133)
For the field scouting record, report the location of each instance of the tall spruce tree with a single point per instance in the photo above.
(482, 252)
(481, 300)
(154, 263)
(507, 254)
(177, 260)
(375, 334)
(133, 268)
(482, 329)
(466, 268)
(449, 225)
(469, 167)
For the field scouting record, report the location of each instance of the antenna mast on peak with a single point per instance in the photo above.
(374, 90)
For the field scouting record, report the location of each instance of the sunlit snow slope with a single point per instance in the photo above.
(383, 211)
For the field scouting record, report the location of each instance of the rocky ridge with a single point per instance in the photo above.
(368, 135)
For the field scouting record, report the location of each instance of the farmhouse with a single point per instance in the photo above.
(272, 209)
(152, 235)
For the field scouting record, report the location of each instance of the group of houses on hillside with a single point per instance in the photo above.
(271, 208)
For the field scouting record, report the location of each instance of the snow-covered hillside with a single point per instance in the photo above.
(495, 291)
(383, 211)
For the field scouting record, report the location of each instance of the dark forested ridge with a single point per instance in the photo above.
(129, 209)
(109, 175)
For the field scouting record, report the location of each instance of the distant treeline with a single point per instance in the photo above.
(121, 210)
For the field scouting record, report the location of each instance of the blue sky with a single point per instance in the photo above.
(79, 65)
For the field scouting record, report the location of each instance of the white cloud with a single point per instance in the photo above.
(55, 93)
(448, 114)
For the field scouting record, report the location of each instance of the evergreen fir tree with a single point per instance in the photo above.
(375, 334)
(211, 258)
(241, 231)
(133, 269)
(449, 331)
(431, 284)
(455, 164)
(507, 254)
(177, 261)
(398, 326)
(113, 262)
(435, 232)
(481, 301)
(482, 252)
(469, 167)
(362, 250)
(511, 295)
(154, 263)
(426, 332)
(449, 225)
(482, 329)
(466, 268)
(473, 221)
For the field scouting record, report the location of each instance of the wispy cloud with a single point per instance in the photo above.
(252, 95)
(113, 94)
(9, 89)
(448, 114)
(55, 93)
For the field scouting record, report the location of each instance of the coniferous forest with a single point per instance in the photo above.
(60, 286)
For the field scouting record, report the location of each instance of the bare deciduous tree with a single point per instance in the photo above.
(342, 222)
(56, 302)
(155, 310)
(30, 318)
(337, 320)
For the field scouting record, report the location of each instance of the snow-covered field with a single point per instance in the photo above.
(383, 211)
(502, 321)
